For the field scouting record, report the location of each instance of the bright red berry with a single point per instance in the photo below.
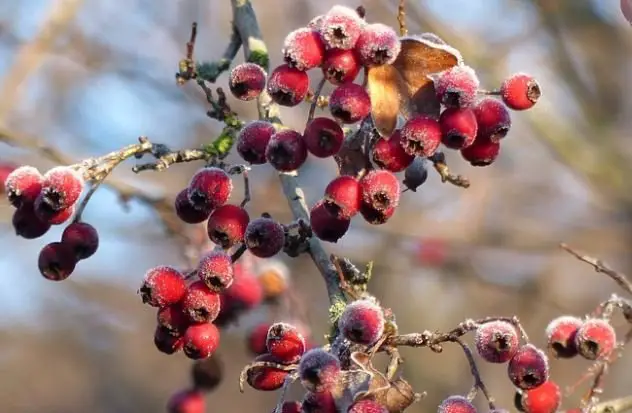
(367, 406)
(520, 91)
(187, 401)
(23, 185)
(288, 86)
(375, 216)
(166, 342)
(200, 303)
(186, 211)
(421, 136)
(497, 341)
(253, 140)
(415, 174)
(286, 150)
(528, 368)
(380, 189)
(457, 87)
(493, 118)
(62, 187)
(349, 103)
(56, 261)
(323, 137)
(161, 286)
(456, 404)
(482, 152)
(27, 224)
(303, 49)
(378, 45)
(264, 237)
(247, 81)
(545, 398)
(561, 333)
(172, 319)
(227, 225)
(209, 188)
(323, 402)
(291, 407)
(285, 342)
(341, 66)
(82, 237)
(318, 370)
(389, 153)
(215, 269)
(201, 340)
(458, 127)
(45, 213)
(257, 338)
(343, 196)
(266, 378)
(595, 339)
(362, 322)
(341, 27)
(326, 226)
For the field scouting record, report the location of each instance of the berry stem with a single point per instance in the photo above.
(440, 165)
(478, 381)
(315, 97)
(243, 170)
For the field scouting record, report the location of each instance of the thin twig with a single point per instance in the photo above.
(478, 381)
(440, 165)
(315, 97)
(401, 18)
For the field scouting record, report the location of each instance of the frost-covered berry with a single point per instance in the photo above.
(326, 226)
(257, 337)
(200, 340)
(286, 150)
(378, 45)
(520, 91)
(187, 401)
(456, 404)
(62, 187)
(343, 196)
(56, 261)
(458, 127)
(457, 86)
(389, 153)
(421, 136)
(376, 216)
(247, 81)
(162, 286)
(83, 238)
(482, 152)
(209, 188)
(264, 237)
(323, 402)
(200, 303)
(380, 189)
(341, 27)
(186, 211)
(285, 342)
(227, 225)
(253, 140)
(341, 66)
(303, 49)
(215, 269)
(560, 335)
(27, 224)
(367, 406)
(166, 342)
(493, 118)
(318, 370)
(323, 137)
(349, 103)
(496, 341)
(545, 398)
(528, 368)
(362, 322)
(172, 319)
(288, 86)
(595, 339)
(415, 174)
(23, 185)
(266, 378)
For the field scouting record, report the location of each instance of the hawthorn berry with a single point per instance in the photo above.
(27, 224)
(326, 226)
(389, 153)
(82, 237)
(415, 174)
(375, 216)
(561, 333)
(520, 91)
(314, 23)
(286, 150)
(227, 225)
(456, 404)
(318, 370)
(186, 211)
(285, 342)
(496, 341)
(5, 171)
(341, 27)
(257, 338)
(173, 319)
(246, 81)
(322, 402)
(545, 398)
(482, 152)
(323, 137)
(209, 188)
(200, 303)
(343, 196)
(264, 237)
(291, 407)
(303, 49)
(215, 269)
(349, 103)
(161, 286)
(253, 140)
(626, 10)
(245, 293)
(288, 86)
(367, 406)
(200, 340)
(266, 378)
(362, 322)
(528, 368)
(457, 86)
(493, 118)
(61, 188)
(56, 261)
(166, 342)
(595, 339)
(421, 136)
(380, 190)
(23, 185)
(187, 401)
(341, 66)
(45, 213)
(207, 374)
(458, 127)
(378, 45)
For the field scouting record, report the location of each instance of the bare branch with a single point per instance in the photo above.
(440, 165)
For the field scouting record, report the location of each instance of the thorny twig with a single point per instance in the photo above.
(440, 165)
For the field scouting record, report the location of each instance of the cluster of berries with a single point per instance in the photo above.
(44, 200)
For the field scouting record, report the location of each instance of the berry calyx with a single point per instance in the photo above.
(172, 319)
(456, 404)
(343, 196)
(167, 343)
(56, 261)
(323, 137)
(341, 66)
(380, 190)
(303, 49)
(375, 216)
(457, 87)
(458, 127)
(215, 269)
(186, 211)
(595, 339)
(318, 370)
(253, 140)
(560, 334)
(389, 153)
(227, 225)
(415, 174)
(326, 226)
(264, 237)
(528, 368)
(23, 185)
(341, 27)
(378, 45)
(285, 343)
(349, 103)
(545, 398)
(362, 322)
(61, 188)
(288, 86)
(186, 401)
(496, 341)
(266, 378)
(493, 118)
(200, 340)
(83, 238)
(200, 304)
(209, 188)
(45, 213)
(520, 91)
(27, 224)
(421, 136)
(286, 150)
(161, 286)
(483, 152)
(246, 81)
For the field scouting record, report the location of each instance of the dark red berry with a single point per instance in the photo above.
(520, 91)
(349, 103)
(326, 226)
(288, 86)
(415, 174)
(186, 211)
(319, 370)
(290, 407)
(82, 237)
(200, 303)
(456, 404)
(56, 261)
(367, 406)
(545, 398)
(187, 401)
(341, 66)
(380, 189)
(303, 49)
(62, 187)
(27, 224)
(389, 153)
(458, 127)
(323, 402)
(341, 27)
(362, 322)
(421, 136)
(264, 237)
(162, 286)
(209, 188)
(496, 341)
(378, 45)
(45, 213)
(23, 185)
(285, 342)
(253, 140)
(5, 170)
(257, 338)
(172, 319)
(457, 87)
(166, 342)
(227, 225)
(560, 334)
(323, 137)
(247, 81)
(493, 118)
(528, 368)
(343, 196)
(626, 10)
(207, 374)
(376, 216)
(201, 340)
(482, 152)
(286, 150)
(266, 378)
(215, 269)
(595, 339)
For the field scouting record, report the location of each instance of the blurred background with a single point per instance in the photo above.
(89, 76)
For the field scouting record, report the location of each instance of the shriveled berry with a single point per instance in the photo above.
(207, 374)
(595, 339)
(285, 342)
(457, 86)
(286, 150)
(291, 407)
(362, 322)
(266, 378)
(341, 66)
(389, 153)
(326, 226)
(172, 319)
(343, 196)
(482, 152)
(215, 269)
(561, 333)
(209, 188)
(303, 49)
(380, 189)
(378, 45)
(187, 401)
(497, 341)
(227, 225)
(166, 342)
(83, 238)
(421, 136)
(493, 118)
(323, 137)
(201, 340)
(341, 27)
(200, 303)
(458, 127)
(545, 398)
(349, 103)
(322, 402)
(62, 187)
(257, 338)
(54, 217)
(288, 86)
(56, 261)
(528, 368)
(187, 212)
(247, 81)
(27, 224)
(415, 174)
(367, 406)
(264, 237)
(456, 404)
(253, 140)
(520, 91)
(375, 216)
(162, 286)
(318, 370)
(23, 185)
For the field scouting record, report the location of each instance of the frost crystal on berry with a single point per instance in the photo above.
(456, 404)
(253, 140)
(264, 237)
(378, 44)
(247, 81)
(341, 27)
(288, 86)
(303, 49)
(595, 339)
(457, 87)
(319, 370)
(349, 103)
(62, 187)
(23, 185)
(561, 333)
(528, 368)
(362, 322)
(496, 341)
(216, 270)
(326, 226)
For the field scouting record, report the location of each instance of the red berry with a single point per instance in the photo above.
(380, 189)
(27, 224)
(528, 368)
(375, 216)
(253, 140)
(201, 340)
(162, 286)
(497, 341)
(264, 237)
(266, 378)
(246, 291)
(362, 322)
(288, 86)
(326, 226)
(561, 333)
(341, 27)
(172, 319)
(166, 342)
(415, 174)
(291, 407)
(215, 269)
(323, 402)
(82, 237)
(493, 118)
(456, 404)
(247, 81)
(389, 153)
(595, 339)
(367, 406)
(5, 171)
(349, 103)
(378, 45)
(458, 127)
(457, 87)
(482, 152)
(323, 137)
(303, 49)
(56, 261)
(186, 211)
(286, 150)
(227, 225)
(343, 196)
(207, 374)
(200, 303)
(285, 343)
(45, 213)
(520, 91)
(209, 188)
(545, 398)
(257, 338)
(62, 187)
(341, 66)
(315, 22)
(186, 401)
(319, 370)
(23, 185)
(626, 9)
(421, 136)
